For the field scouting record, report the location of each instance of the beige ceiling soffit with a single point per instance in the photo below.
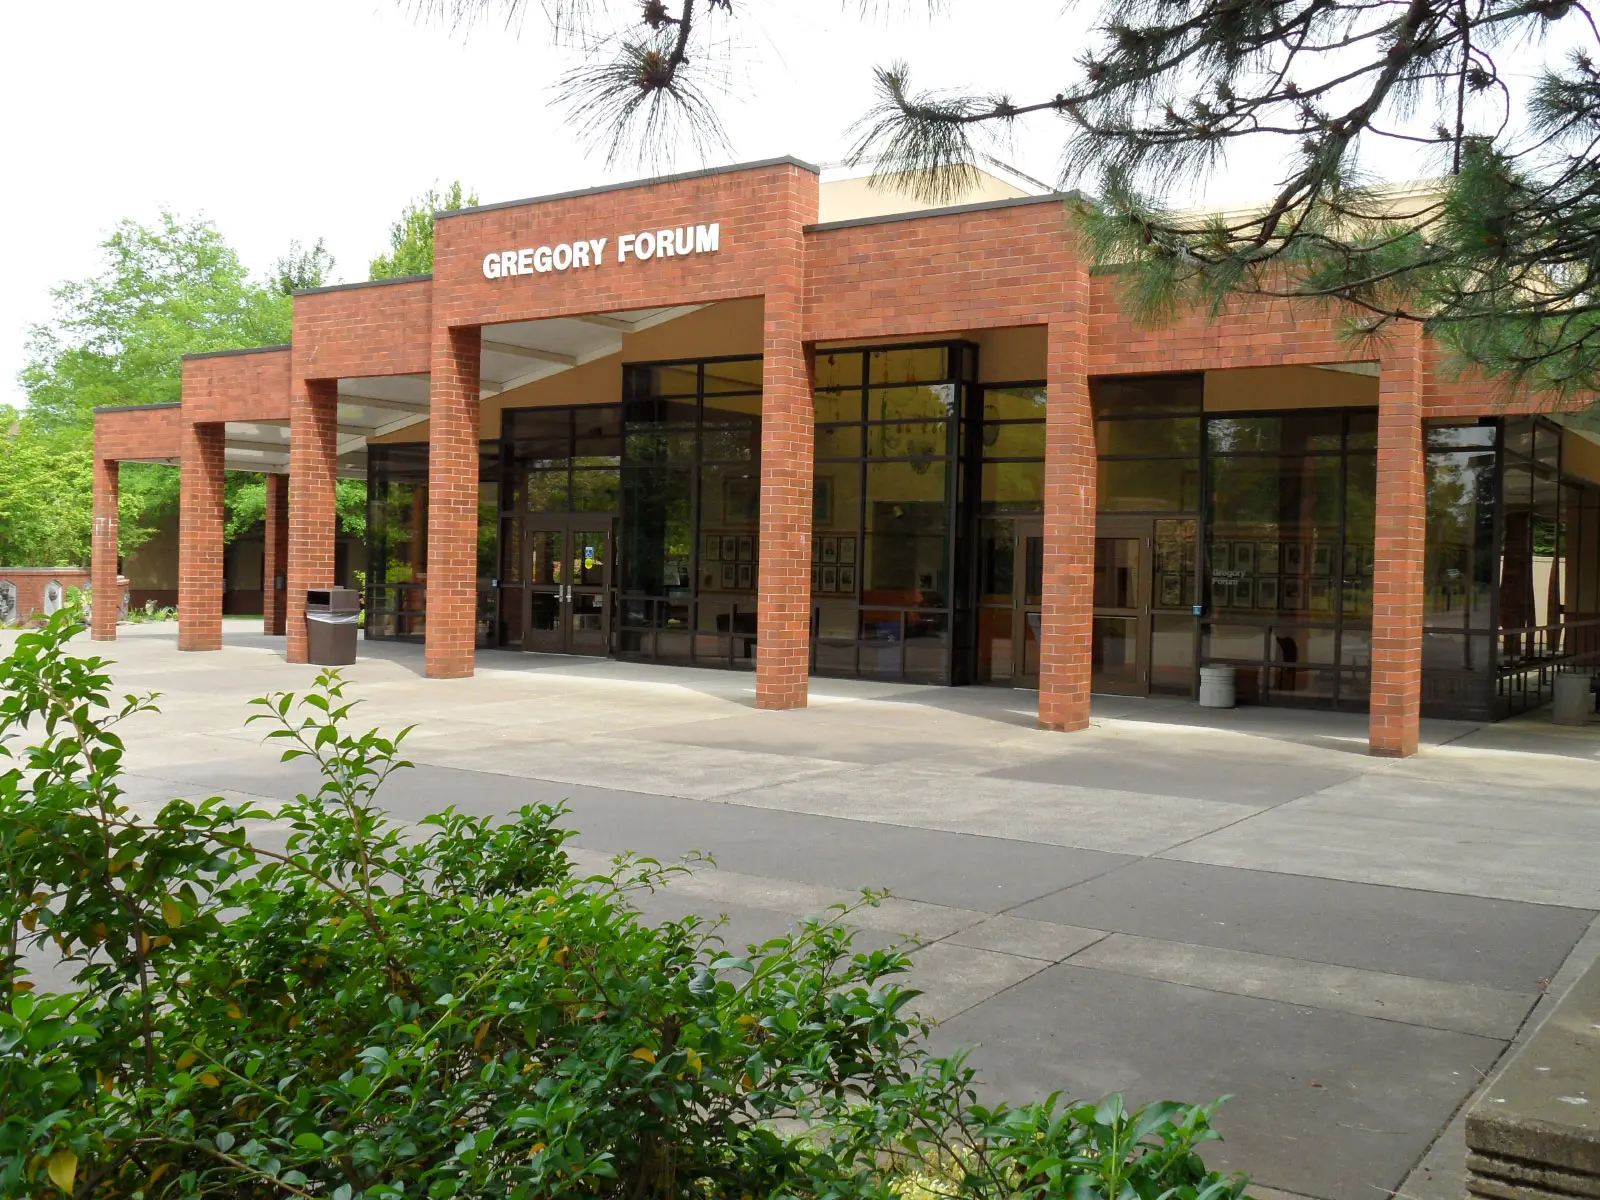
(662, 317)
(549, 356)
(529, 377)
(1371, 369)
(396, 426)
(235, 443)
(406, 406)
(616, 323)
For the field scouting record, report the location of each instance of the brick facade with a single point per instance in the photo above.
(275, 557)
(31, 582)
(453, 504)
(313, 517)
(103, 552)
(1401, 518)
(918, 276)
(1069, 511)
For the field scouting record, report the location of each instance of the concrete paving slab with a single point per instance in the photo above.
(1086, 818)
(1426, 935)
(1462, 1007)
(1324, 1104)
(953, 979)
(1536, 866)
(1260, 782)
(1027, 939)
(775, 733)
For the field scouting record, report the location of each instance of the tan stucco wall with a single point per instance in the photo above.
(1288, 387)
(856, 199)
(1580, 456)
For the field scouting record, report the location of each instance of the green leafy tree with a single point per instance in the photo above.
(1497, 101)
(411, 237)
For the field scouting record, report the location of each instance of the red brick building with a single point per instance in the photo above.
(687, 420)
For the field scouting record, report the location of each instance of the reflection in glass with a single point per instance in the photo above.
(1148, 486)
(908, 519)
(1114, 651)
(1116, 572)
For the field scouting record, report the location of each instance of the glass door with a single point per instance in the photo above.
(568, 589)
(1010, 598)
(1144, 592)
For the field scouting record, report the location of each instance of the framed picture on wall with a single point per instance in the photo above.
(830, 551)
(1321, 595)
(1244, 557)
(847, 579)
(712, 549)
(747, 576)
(741, 499)
(1221, 556)
(830, 579)
(1244, 594)
(1294, 559)
(730, 547)
(822, 501)
(1322, 559)
(747, 548)
(847, 550)
(1171, 590)
(1293, 593)
(730, 576)
(1267, 592)
(816, 578)
(1267, 559)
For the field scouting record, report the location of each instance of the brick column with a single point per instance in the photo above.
(103, 550)
(1069, 512)
(201, 515)
(452, 584)
(275, 556)
(313, 517)
(788, 447)
(1401, 521)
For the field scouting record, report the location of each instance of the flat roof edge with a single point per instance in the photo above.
(948, 211)
(703, 173)
(114, 408)
(227, 354)
(362, 283)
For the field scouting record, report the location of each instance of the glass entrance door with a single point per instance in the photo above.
(1010, 595)
(1144, 592)
(568, 593)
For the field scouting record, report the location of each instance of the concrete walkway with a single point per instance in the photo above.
(1172, 903)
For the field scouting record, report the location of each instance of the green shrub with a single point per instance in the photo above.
(365, 1010)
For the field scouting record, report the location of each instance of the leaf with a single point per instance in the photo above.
(172, 914)
(209, 1079)
(644, 1055)
(186, 1060)
(63, 1169)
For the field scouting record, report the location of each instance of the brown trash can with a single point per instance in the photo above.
(333, 615)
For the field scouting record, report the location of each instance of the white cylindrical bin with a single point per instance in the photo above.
(1216, 687)
(1574, 703)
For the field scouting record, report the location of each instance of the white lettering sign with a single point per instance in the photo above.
(643, 246)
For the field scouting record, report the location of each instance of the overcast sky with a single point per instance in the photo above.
(321, 118)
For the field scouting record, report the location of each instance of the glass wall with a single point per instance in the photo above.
(1289, 553)
(690, 508)
(886, 547)
(1458, 654)
(397, 540)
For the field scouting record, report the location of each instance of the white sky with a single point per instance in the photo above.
(321, 118)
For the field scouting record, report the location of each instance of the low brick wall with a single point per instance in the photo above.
(30, 584)
(1535, 1132)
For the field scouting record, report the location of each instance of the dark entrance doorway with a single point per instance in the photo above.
(1144, 589)
(1010, 595)
(568, 595)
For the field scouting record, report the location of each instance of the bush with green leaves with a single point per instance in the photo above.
(319, 1002)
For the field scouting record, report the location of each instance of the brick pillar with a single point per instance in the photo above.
(1069, 512)
(788, 446)
(103, 550)
(1401, 521)
(201, 515)
(275, 556)
(452, 584)
(313, 517)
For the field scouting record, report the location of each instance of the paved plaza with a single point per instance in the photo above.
(1173, 903)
